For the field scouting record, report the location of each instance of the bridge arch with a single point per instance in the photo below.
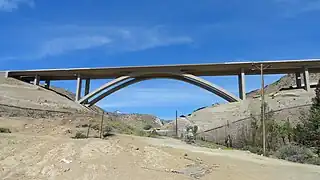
(124, 81)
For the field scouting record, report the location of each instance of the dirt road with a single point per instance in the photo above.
(24, 156)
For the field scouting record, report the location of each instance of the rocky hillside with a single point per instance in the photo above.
(286, 102)
(35, 102)
(286, 82)
(137, 120)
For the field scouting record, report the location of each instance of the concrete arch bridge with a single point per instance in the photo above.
(125, 76)
(124, 81)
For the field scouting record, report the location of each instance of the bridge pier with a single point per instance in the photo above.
(298, 79)
(87, 89)
(306, 79)
(36, 80)
(6, 74)
(242, 88)
(47, 84)
(78, 90)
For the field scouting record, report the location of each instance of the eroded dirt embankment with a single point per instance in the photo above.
(24, 156)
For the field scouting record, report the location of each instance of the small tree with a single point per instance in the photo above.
(271, 128)
(289, 129)
(80, 135)
(191, 133)
(254, 129)
(285, 131)
(299, 134)
(195, 130)
(107, 131)
(309, 132)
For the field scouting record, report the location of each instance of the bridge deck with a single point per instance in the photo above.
(217, 69)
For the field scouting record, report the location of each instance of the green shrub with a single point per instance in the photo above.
(107, 131)
(195, 130)
(208, 144)
(191, 133)
(254, 149)
(5, 130)
(314, 160)
(140, 133)
(147, 127)
(295, 153)
(307, 133)
(80, 135)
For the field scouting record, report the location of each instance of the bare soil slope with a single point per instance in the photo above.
(24, 156)
(233, 118)
(17, 94)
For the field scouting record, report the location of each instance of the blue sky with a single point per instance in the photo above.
(86, 33)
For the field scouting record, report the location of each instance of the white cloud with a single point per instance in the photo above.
(11, 5)
(62, 45)
(159, 97)
(57, 40)
(295, 7)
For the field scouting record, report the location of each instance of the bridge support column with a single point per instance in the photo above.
(36, 80)
(298, 80)
(306, 79)
(87, 89)
(79, 85)
(47, 84)
(242, 87)
(6, 74)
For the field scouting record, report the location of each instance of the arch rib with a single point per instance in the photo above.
(145, 76)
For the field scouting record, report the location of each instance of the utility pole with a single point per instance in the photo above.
(101, 124)
(177, 124)
(261, 68)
